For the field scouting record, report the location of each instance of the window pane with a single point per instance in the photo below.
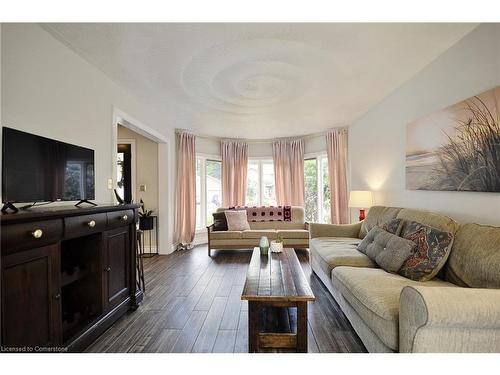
(214, 188)
(311, 190)
(269, 193)
(199, 223)
(252, 198)
(326, 191)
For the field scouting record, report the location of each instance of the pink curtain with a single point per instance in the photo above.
(288, 159)
(336, 148)
(234, 172)
(185, 193)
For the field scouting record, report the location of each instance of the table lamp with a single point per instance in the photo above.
(361, 199)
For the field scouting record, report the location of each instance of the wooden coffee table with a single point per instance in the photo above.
(276, 282)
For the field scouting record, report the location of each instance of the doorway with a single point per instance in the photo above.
(124, 171)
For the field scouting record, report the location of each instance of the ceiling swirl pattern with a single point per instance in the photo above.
(259, 81)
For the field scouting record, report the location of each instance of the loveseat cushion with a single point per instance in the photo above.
(474, 260)
(271, 234)
(220, 222)
(293, 233)
(331, 252)
(374, 294)
(226, 235)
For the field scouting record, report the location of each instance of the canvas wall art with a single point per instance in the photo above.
(457, 148)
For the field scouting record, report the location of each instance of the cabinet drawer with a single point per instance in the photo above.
(120, 218)
(86, 224)
(29, 235)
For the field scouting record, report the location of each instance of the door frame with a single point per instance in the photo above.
(166, 165)
(133, 163)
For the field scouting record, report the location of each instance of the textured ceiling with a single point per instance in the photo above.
(260, 80)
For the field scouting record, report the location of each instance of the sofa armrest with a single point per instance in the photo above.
(449, 319)
(334, 230)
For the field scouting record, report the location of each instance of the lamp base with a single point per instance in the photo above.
(361, 214)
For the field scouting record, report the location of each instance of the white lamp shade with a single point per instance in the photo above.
(360, 199)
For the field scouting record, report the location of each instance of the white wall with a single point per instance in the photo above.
(377, 140)
(48, 89)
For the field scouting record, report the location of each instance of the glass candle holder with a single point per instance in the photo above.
(264, 245)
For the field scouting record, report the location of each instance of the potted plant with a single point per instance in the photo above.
(145, 218)
(277, 245)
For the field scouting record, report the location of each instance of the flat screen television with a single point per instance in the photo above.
(36, 169)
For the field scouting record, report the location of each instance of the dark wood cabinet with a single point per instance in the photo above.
(116, 256)
(66, 274)
(31, 298)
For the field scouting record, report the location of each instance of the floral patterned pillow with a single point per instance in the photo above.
(392, 226)
(433, 249)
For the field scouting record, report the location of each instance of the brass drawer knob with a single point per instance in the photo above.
(124, 218)
(91, 223)
(37, 233)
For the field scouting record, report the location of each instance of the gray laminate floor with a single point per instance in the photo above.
(192, 304)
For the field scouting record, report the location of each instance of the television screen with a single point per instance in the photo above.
(36, 168)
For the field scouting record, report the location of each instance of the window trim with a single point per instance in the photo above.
(203, 187)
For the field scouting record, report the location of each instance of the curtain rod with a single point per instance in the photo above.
(257, 141)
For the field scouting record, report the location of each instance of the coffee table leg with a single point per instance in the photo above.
(253, 326)
(301, 327)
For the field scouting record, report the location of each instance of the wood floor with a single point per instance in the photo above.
(192, 304)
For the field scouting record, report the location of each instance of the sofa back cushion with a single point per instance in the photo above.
(297, 222)
(475, 257)
(377, 215)
(431, 219)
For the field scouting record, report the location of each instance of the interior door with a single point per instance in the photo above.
(124, 171)
(31, 298)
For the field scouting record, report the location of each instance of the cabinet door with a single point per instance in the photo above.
(31, 298)
(116, 266)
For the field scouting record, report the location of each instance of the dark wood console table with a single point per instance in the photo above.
(67, 274)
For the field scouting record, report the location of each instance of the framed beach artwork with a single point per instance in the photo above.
(456, 148)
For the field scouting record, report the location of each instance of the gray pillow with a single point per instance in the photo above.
(387, 250)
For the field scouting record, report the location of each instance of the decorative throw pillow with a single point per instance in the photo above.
(220, 222)
(386, 249)
(433, 249)
(392, 226)
(237, 220)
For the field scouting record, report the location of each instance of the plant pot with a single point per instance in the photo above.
(276, 247)
(146, 223)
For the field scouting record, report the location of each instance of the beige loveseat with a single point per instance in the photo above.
(295, 233)
(458, 311)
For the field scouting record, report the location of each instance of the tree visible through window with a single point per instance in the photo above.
(317, 189)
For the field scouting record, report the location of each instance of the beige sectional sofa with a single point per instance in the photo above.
(458, 311)
(295, 233)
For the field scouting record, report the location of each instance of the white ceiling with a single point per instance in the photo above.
(260, 80)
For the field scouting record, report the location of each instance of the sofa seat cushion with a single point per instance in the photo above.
(374, 294)
(271, 234)
(293, 233)
(331, 252)
(226, 235)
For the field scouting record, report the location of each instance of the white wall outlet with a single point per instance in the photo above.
(142, 187)
(110, 184)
